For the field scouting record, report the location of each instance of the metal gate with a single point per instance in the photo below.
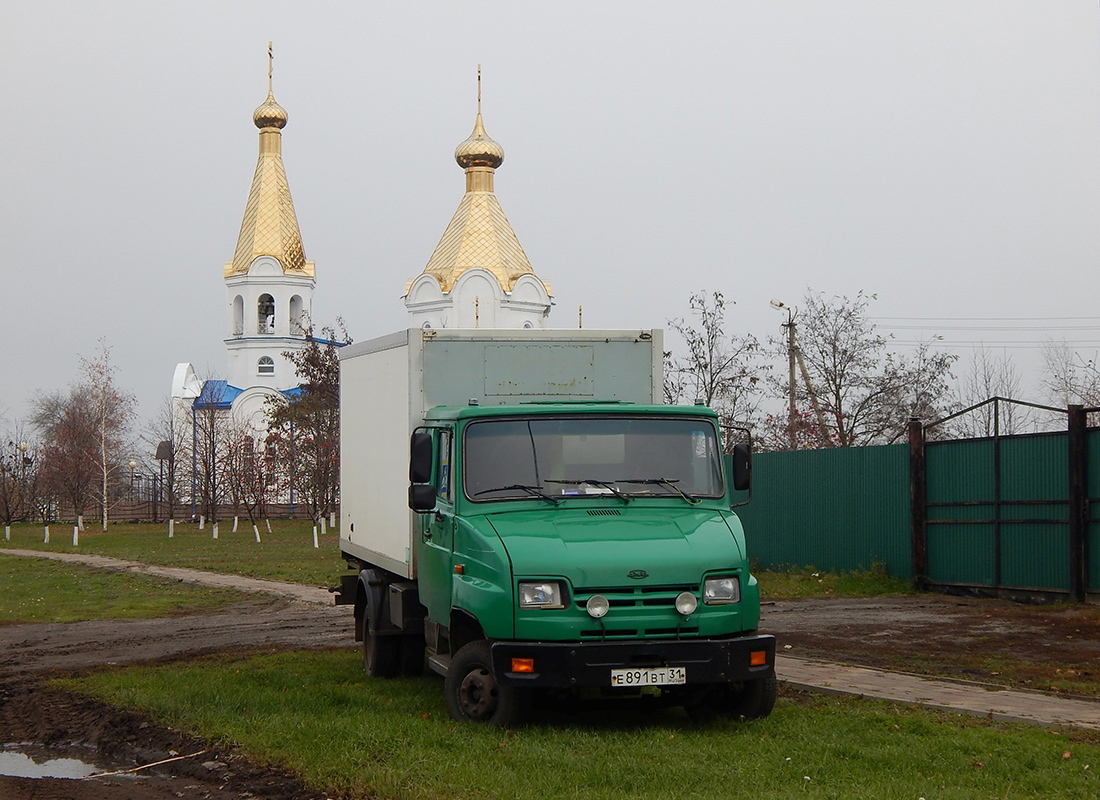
(1010, 515)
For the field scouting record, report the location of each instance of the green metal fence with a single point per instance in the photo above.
(840, 509)
(1015, 515)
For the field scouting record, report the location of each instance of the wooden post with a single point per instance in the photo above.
(1078, 505)
(918, 535)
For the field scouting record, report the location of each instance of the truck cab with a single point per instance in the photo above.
(571, 546)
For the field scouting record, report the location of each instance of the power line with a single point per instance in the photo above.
(988, 319)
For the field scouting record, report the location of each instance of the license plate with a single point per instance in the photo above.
(649, 676)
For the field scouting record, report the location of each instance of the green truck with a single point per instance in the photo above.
(523, 517)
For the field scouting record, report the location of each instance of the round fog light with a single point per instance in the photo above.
(686, 603)
(597, 606)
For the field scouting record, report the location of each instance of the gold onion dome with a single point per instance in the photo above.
(479, 150)
(270, 114)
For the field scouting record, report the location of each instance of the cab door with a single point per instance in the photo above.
(435, 545)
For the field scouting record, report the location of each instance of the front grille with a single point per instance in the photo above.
(651, 608)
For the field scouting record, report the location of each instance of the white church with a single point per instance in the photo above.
(477, 277)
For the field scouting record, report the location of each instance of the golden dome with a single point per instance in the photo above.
(270, 114)
(479, 150)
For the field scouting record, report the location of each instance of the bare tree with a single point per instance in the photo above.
(722, 370)
(249, 471)
(991, 376)
(210, 431)
(1069, 376)
(112, 412)
(18, 471)
(304, 429)
(169, 439)
(867, 393)
(67, 463)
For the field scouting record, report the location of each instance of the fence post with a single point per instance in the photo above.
(1078, 504)
(917, 528)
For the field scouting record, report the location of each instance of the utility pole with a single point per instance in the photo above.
(794, 356)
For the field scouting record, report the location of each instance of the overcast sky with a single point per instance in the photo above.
(942, 154)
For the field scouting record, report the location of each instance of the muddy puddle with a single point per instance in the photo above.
(28, 761)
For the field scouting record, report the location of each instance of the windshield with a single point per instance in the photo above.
(549, 458)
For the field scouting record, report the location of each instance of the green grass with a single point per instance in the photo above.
(35, 590)
(810, 582)
(316, 714)
(285, 554)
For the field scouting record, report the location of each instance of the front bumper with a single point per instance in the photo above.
(577, 664)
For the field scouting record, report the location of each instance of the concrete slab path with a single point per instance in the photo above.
(959, 696)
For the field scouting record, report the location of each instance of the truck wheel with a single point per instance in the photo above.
(473, 694)
(755, 700)
(380, 653)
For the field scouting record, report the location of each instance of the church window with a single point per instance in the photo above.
(266, 309)
(297, 315)
(238, 316)
(265, 366)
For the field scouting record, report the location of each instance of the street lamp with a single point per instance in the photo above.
(132, 465)
(23, 447)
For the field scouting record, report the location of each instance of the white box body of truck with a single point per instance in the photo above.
(387, 384)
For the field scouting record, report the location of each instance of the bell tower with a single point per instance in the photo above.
(269, 283)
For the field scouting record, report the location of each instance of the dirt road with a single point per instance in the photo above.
(928, 633)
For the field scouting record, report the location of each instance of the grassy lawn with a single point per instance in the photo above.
(285, 554)
(318, 715)
(34, 590)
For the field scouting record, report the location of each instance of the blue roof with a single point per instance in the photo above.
(216, 394)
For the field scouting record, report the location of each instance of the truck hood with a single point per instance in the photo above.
(599, 547)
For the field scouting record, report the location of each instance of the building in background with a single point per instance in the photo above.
(478, 276)
(269, 292)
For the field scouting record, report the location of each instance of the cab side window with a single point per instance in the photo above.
(444, 461)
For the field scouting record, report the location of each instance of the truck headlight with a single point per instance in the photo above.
(720, 591)
(541, 594)
(686, 603)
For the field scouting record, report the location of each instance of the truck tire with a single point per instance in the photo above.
(472, 693)
(380, 653)
(754, 701)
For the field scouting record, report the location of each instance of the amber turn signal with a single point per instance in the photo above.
(758, 658)
(523, 665)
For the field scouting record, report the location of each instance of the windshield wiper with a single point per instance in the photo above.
(669, 483)
(593, 482)
(534, 491)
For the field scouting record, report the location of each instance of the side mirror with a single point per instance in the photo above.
(742, 467)
(420, 458)
(422, 497)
